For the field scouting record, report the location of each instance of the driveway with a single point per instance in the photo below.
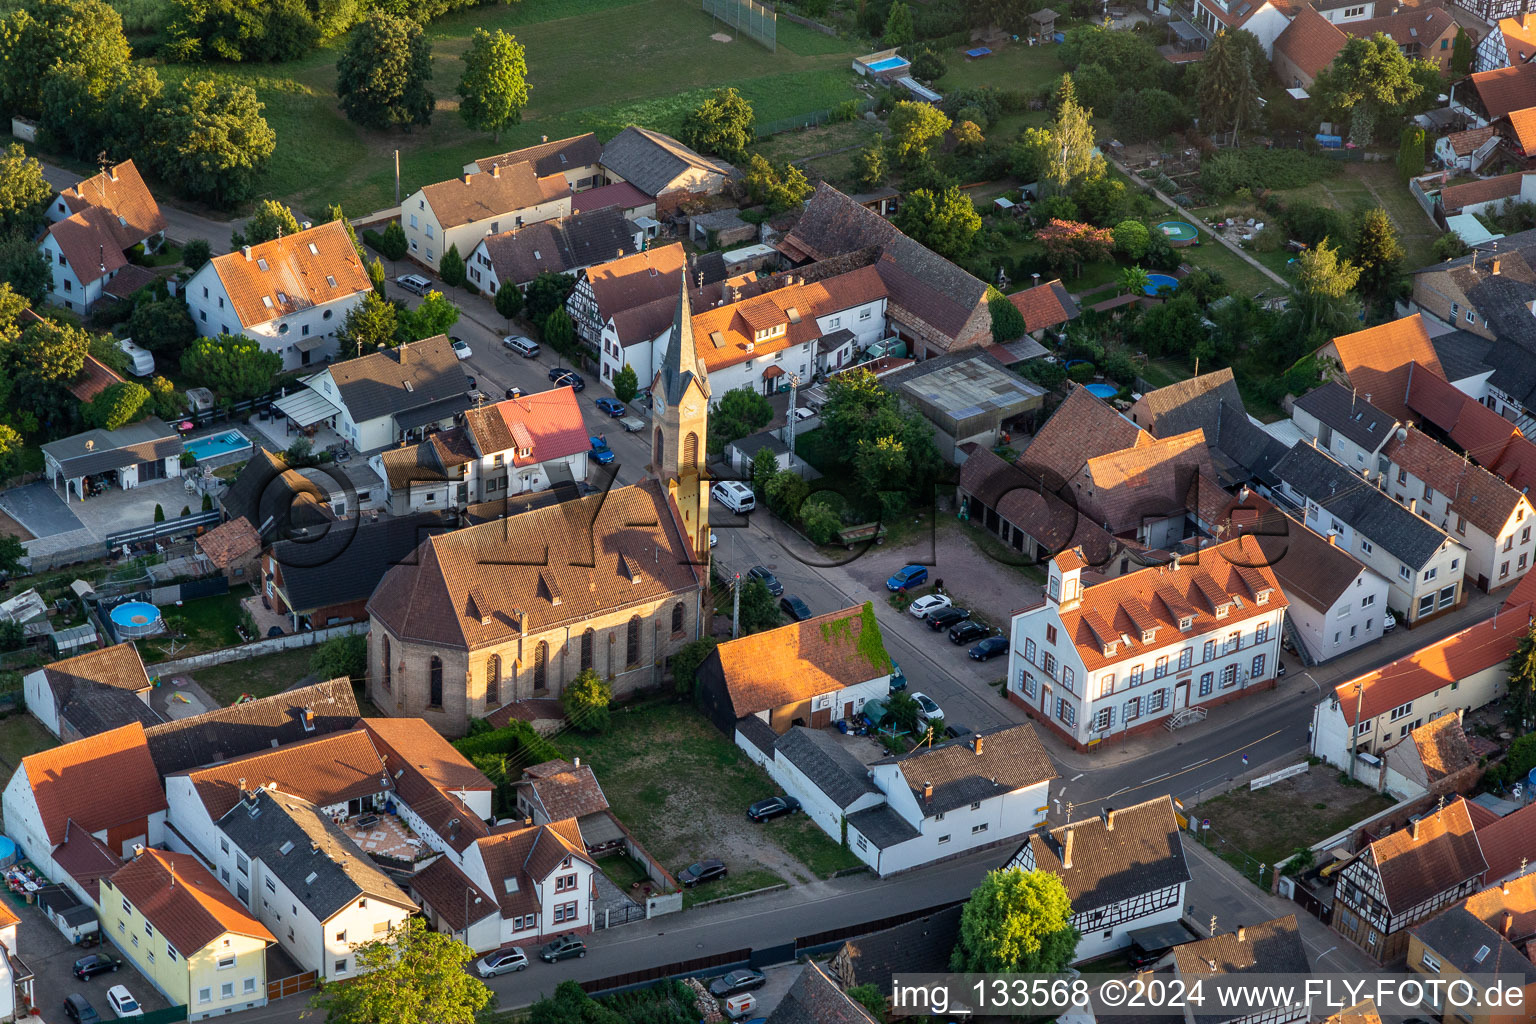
(39, 508)
(51, 957)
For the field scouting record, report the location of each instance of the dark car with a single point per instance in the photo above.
(703, 871)
(795, 608)
(948, 617)
(989, 648)
(758, 572)
(743, 980)
(97, 963)
(967, 631)
(514, 392)
(563, 948)
(612, 406)
(773, 807)
(77, 1009)
(561, 378)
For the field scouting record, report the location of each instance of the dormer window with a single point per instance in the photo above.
(1186, 622)
(768, 334)
(1148, 635)
(266, 300)
(1110, 649)
(524, 453)
(1222, 609)
(1263, 597)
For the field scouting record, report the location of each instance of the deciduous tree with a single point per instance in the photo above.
(777, 188)
(626, 384)
(1071, 244)
(721, 125)
(210, 140)
(869, 165)
(1007, 322)
(759, 610)
(494, 88)
(1134, 280)
(1370, 77)
(12, 551)
(547, 293)
(195, 253)
(384, 77)
(342, 657)
(899, 30)
(1070, 158)
(1131, 239)
(740, 411)
(1016, 921)
(120, 403)
(1522, 683)
(271, 219)
(945, 222)
(24, 192)
(234, 368)
(915, 129)
(433, 315)
(1324, 281)
(11, 444)
(39, 35)
(586, 699)
(412, 976)
(686, 662)
(163, 326)
(23, 268)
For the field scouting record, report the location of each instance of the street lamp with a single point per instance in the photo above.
(794, 388)
(478, 901)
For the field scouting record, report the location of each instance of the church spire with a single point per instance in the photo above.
(682, 360)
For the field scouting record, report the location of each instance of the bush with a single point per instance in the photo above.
(586, 699)
(1082, 372)
(685, 664)
(517, 740)
(393, 243)
(820, 521)
(341, 656)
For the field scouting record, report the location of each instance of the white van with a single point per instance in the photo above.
(140, 362)
(734, 495)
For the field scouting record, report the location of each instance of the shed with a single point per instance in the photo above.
(742, 451)
(919, 91)
(721, 228)
(126, 457)
(68, 914)
(1042, 24)
(74, 639)
(967, 397)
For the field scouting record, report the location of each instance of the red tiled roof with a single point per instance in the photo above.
(226, 543)
(552, 420)
(87, 860)
(529, 855)
(326, 770)
(1509, 843)
(122, 193)
(414, 742)
(1082, 427)
(799, 661)
(95, 377)
(1040, 306)
(565, 790)
(449, 891)
(621, 194)
(1442, 747)
(1519, 38)
(1466, 143)
(118, 666)
(1506, 89)
(183, 900)
(1471, 492)
(1420, 24)
(1310, 41)
(90, 243)
(1377, 361)
(1456, 198)
(67, 784)
(498, 191)
(1121, 488)
(1458, 656)
(1443, 854)
(636, 280)
(723, 333)
(298, 273)
(1522, 130)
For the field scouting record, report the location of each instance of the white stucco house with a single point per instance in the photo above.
(464, 210)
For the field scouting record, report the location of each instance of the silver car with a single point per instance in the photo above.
(414, 283)
(503, 961)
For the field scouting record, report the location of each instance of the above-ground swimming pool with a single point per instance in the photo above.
(889, 64)
(135, 618)
(1178, 233)
(215, 445)
(1159, 281)
(1104, 391)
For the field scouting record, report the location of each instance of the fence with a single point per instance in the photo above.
(748, 17)
(814, 26)
(154, 531)
(212, 586)
(814, 119)
(242, 652)
(681, 967)
(169, 1015)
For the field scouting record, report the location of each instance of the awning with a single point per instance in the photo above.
(310, 343)
(306, 407)
(772, 372)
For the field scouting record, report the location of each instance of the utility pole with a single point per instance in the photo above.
(736, 606)
(397, 177)
(794, 389)
(1354, 730)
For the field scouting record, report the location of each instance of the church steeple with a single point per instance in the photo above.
(681, 363)
(680, 405)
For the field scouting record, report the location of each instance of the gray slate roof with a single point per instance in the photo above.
(920, 946)
(827, 763)
(1411, 539)
(560, 245)
(815, 998)
(274, 499)
(96, 451)
(1462, 354)
(1211, 403)
(1273, 947)
(1011, 757)
(374, 385)
(255, 725)
(682, 363)
(1349, 414)
(882, 826)
(1458, 936)
(308, 852)
(91, 709)
(651, 161)
(1143, 853)
(348, 561)
(548, 158)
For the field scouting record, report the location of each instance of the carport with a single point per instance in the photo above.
(88, 463)
(307, 407)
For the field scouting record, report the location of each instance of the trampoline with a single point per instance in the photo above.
(1179, 233)
(135, 618)
(1157, 282)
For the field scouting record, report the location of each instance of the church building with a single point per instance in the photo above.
(516, 608)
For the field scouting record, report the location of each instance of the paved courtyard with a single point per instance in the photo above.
(388, 836)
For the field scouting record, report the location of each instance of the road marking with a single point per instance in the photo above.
(1197, 764)
(1148, 782)
(1183, 771)
(1077, 776)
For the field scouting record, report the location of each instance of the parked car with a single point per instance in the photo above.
(898, 678)
(79, 1010)
(758, 572)
(1388, 622)
(514, 392)
(795, 608)
(946, 617)
(461, 348)
(88, 967)
(742, 980)
(734, 495)
(504, 961)
(600, 451)
(773, 807)
(563, 948)
(413, 283)
(965, 632)
(713, 540)
(926, 606)
(560, 377)
(989, 648)
(907, 576)
(927, 709)
(703, 871)
(122, 1002)
(525, 347)
(955, 732)
(612, 406)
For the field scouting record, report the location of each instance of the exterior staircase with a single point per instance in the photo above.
(1184, 716)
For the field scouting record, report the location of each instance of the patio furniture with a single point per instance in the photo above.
(367, 821)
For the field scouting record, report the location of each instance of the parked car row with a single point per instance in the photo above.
(941, 613)
(511, 959)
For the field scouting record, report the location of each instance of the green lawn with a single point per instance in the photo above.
(622, 870)
(803, 840)
(733, 884)
(207, 624)
(1241, 277)
(20, 735)
(260, 677)
(593, 65)
(1027, 68)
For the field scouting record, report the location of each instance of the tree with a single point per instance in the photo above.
(159, 516)
(776, 188)
(740, 411)
(393, 243)
(904, 710)
(786, 492)
(1410, 151)
(494, 88)
(1229, 85)
(571, 1005)
(12, 551)
(210, 140)
(1132, 239)
(759, 611)
(39, 35)
(1070, 158)
(899, 30)
(433, 315)
(1016, 921)
(370, 324)
(1449, 246)
(560, 333)
(234, 367)
(547, 293)
(928, 63)
(1134, 281)
(334, 215)
(509, 301)
(23, 267)
(1377, 250)
(1324, 280)
(11, 444)
(1522, 683)
(1369, 80)
(195, 253)
(411, 976)
(451, 270)
(968, 137)
(945, 222)
(383, 79)
(586, 699)
(164, 400)
(915, 129)
(1461, 55)
(820, 521)
(270, 220)
(1071, 244)
(341, 657)
(869, 165)
(626, 384)
(376, 276)
(163, 326)
(1007, 322)
(721, 125)
(685, 664)
(765, 466)
(24, 192)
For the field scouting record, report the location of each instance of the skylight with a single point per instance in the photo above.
(509, 884)
(330, 280)
(309, 879)
(313, 249)
(262, 263)
(1481, 955)
(266, 300)
(286, 848)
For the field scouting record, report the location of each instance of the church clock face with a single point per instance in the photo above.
(691, 408)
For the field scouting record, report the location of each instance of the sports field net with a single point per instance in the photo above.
(748, 18)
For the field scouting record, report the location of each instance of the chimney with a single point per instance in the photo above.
(1066, 850)
(576, 762)
(1504, 924)
(927, 791)
(245, 251)
(1413, 830)
(309, 719)
(138, 850)
(1242, 934)
(467, 177)
(1494, 267)
(543, 138)
(305, 225)
(978, 745)
(1109, 819)
(496, 170)
(1333, 538)
(1413, 505)
(1242, 494)
(1504, 889)
(528, 822)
